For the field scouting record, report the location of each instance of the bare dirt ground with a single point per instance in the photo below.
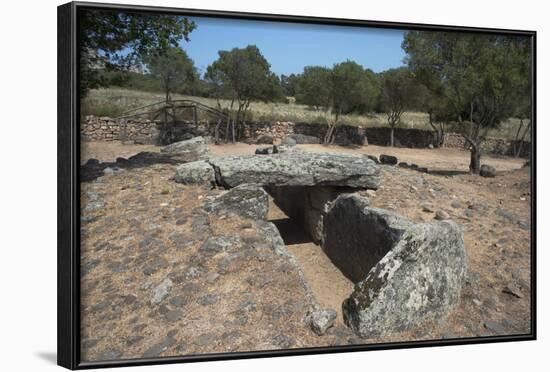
(437, 159)
(139, 229)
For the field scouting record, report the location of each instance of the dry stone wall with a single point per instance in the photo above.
(497, 146)
(93, 128)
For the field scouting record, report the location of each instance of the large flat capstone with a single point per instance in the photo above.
(405, 273)
(298, 169)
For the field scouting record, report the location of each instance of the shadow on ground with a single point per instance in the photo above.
(448, 172)
(94, 169)
(291, 232)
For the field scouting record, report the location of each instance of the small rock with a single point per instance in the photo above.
(456, 204)
(418, 181)
(173, 315)
(442, 215)
(321, 320)
(388, 159)
(108, 171)
(178, 301)
(132, 340)
(217, 244)
(512, 290)
(208, 299)
(110, 355)
(487, 171)
(212, 277)
(205, 339)
(413, 188)
(427, 208)
(160, 292)
(403, 164)
(264, 150)
(283, 340)
(371, 193)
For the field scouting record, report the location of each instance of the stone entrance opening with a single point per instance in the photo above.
(327, 282)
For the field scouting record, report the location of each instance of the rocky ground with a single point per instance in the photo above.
(161, 277)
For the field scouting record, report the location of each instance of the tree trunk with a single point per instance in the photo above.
(518, 146)
(475, 160)
(391, 136)
(217, 132)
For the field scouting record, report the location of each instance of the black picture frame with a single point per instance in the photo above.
(68, 214)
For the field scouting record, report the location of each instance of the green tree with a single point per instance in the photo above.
(314, 87)
(398, 94)
(116, 40)
(289, 84)
(243, 75)
(351, 89)
(480, 75)
(173, 68)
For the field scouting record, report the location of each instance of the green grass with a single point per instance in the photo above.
(114, 101)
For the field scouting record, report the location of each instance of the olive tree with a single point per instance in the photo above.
(174, 69)
(243, 75)
(117, 40)
(480, 75)
(314, 87)
(398, 94)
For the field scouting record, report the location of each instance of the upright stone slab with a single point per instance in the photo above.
(298, 169)
(412, 272)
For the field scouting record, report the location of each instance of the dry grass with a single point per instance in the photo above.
(114, 101)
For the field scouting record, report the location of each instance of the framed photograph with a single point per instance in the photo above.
(237, 185)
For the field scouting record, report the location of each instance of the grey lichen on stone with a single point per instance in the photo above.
(246, 200)
(194, 173)
(160, 292)
(189, 150)
(298, 168)
(418, 277)
(321, 320)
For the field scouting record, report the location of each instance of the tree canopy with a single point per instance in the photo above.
(243, 75)
(398, 93)
(173, 68)
(120, 39)
(481, 77)
(314, 87)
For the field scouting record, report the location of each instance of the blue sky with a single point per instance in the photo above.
(290, 46)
